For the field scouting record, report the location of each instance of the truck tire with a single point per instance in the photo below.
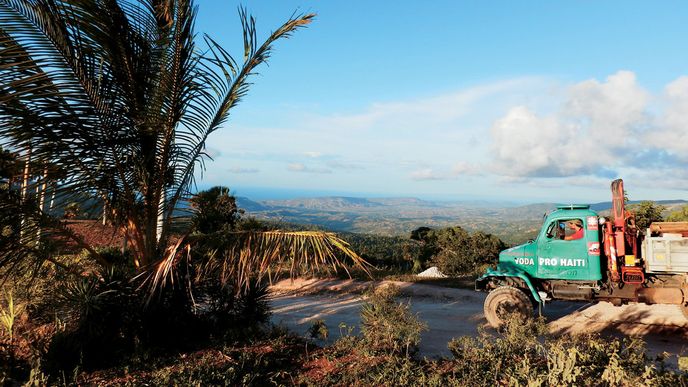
(506, 300)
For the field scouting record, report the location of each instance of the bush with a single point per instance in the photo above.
(72, 210)
(646, 212)
(389, 326)
(525, 354)
(102, 314)
(457, 252)
(680, 215)
(318, 330)
(216, 210)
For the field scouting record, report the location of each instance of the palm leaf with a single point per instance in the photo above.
(244, 256)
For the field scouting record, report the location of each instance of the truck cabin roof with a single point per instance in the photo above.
(572, 210)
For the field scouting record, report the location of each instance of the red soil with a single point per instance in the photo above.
(94, 233)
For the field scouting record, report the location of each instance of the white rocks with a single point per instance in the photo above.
(432, 272)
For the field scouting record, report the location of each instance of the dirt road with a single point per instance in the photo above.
(457, 312)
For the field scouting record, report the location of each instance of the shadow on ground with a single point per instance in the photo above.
(451, 313)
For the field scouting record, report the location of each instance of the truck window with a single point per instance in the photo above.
(565, 229)
(551, 230)
(571, 229)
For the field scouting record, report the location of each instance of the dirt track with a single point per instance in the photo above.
(457, 312)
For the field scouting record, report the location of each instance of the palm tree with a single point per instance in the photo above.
(119, 98)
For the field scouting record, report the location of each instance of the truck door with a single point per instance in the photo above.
(562, 252)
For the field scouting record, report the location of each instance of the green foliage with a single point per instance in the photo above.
(10, 166)
(72, 210)
(107, 309)
(99, 311)
(646, 212)
(215, 210)
(383, 251)
(680, 215)
(523, 354)
(456, 251)
(387, 325)
(9, 314)
(318, 330)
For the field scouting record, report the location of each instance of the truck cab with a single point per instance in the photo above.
(557, 252)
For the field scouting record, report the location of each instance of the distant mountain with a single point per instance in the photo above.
(324, 203)
(250, 205)
(401, 201)
(603, 206)
(399, 216)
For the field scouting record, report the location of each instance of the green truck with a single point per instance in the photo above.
(579, 255)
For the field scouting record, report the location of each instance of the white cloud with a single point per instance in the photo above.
(426, 174)
(427, 130)
(593, 132)
(243, 170)
(299, 167)
(465, 168)
(420, 114)
(672, 132)
(335, 164)
(513, 133)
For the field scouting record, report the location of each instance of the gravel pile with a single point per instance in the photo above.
(432, 272)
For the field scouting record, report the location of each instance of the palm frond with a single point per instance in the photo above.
(243, 256)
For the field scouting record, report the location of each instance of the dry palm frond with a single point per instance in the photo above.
(249, 255)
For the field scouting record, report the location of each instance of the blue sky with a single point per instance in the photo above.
(523, 101)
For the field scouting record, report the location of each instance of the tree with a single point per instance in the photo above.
(215, 210)
(680, 215)
(456, 251)
(120, 97)
(647, 212)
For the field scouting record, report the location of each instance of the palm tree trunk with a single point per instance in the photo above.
(52, 197)
(105, 210)
(41, 202)
(25, 190)
(124, 242)
(161, 216)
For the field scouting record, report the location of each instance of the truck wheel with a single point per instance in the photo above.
(506, 300)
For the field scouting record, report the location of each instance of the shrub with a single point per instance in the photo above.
(647, 212)
(455, 251)
(389, 326)
(8, 316)
(318, 330)
(102, 316)
(525, 354)
(72, 210)
(216, 210)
